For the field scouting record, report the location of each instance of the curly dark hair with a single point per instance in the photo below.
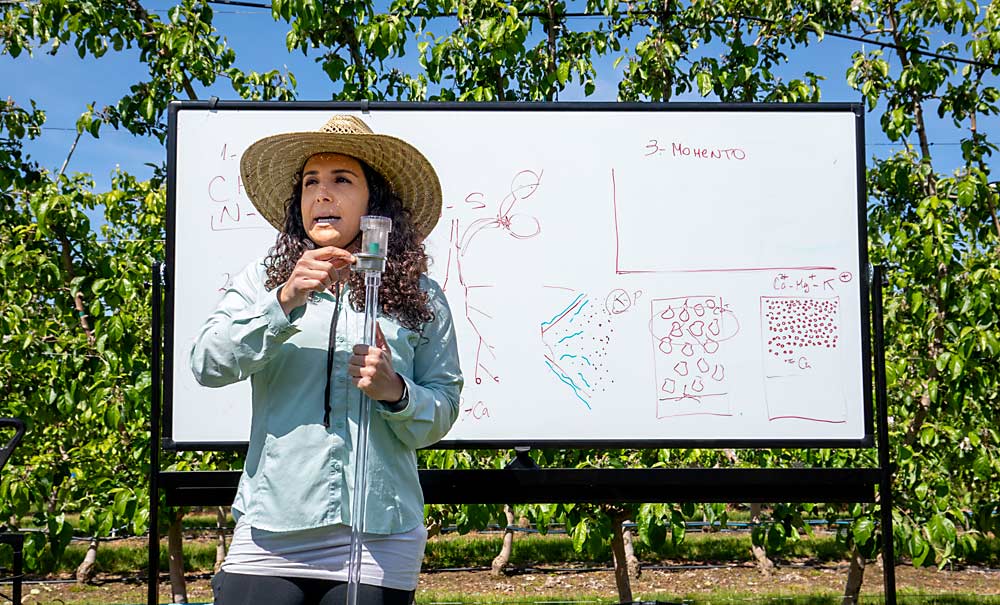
(400, 294)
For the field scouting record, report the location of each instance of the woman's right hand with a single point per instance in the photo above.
(315, 271)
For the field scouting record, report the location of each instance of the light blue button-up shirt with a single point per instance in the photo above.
(298, 473)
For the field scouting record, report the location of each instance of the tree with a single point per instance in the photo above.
(937, 234)
(73, 305)
(75, 318)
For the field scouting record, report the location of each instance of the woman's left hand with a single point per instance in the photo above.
(370, 369)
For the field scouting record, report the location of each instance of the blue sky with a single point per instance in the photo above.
(64, 84)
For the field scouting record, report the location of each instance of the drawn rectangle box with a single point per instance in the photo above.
(802, 358)
(688, 334)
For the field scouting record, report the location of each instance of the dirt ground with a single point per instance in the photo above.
(436, 587)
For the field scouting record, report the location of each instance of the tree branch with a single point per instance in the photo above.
(918, 111)
(935, 346)
(142, 15)
(78, 299)
(350, 39)
(665, 16)
(549, 25)
(973, 128)
(993, 213)
(70, 154)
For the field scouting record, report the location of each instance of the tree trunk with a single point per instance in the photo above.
(220, 547)
(86, 571)
(434, 528)
(855, 577)
(764, 564)
(621, 561)
(178, 587)
(634, 569)
(500, 562)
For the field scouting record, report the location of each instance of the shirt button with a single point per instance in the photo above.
(336, 465)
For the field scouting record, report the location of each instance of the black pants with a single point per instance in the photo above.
(240, 589)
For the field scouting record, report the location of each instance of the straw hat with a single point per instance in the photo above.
(269, 166)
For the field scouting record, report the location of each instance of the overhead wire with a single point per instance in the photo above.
(241, 3)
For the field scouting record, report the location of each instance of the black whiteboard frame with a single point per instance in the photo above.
(863, 271)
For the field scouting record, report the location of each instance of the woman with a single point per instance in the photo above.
(288, 323)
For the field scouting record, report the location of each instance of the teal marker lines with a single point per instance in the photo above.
(548, 324)
(575, 339)
(578, 309)
(568, 356)
(570, 383)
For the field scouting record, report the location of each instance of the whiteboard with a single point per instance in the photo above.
(618, 274)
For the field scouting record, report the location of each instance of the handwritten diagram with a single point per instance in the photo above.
(691, 367)
(801, 350)
(576, 335)
(473, 290)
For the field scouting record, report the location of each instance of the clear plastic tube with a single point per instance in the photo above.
(371, 261)
(373, 280)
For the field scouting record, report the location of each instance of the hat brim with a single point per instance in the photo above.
(269, 167)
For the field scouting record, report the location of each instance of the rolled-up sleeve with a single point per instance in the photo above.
(436, 382)
(242, 333)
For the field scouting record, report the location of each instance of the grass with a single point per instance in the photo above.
(478, 550)
(530, 550)
(127, 557)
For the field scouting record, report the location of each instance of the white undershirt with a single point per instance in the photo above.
(392, 561)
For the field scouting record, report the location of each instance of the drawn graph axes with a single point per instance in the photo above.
(620, 270)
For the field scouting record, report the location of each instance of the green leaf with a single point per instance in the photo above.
(982, 467)
(776, 537)
(581, 533)
(60, 534)
(919, 549)
(656, 536)
(562, 72)
(704, 81)
(942, 531)
(678, 527)
(148, 109)
(115, 328)
(112, 416)
(107, 521)
(957, 365)
(966, 190)
(862, 530)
